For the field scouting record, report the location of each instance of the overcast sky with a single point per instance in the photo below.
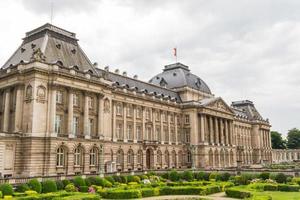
(241, 49)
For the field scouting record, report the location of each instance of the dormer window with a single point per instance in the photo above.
(163, 83)
(198, 83)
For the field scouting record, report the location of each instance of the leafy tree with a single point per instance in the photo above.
(293, 139)
(277, 141)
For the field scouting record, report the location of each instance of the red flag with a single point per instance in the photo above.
(175, 52)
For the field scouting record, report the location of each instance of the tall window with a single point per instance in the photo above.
(172, 118)
(58, 119)
(158, 134)
(173, 136)
(165, 117)
(119, 131)
(129, 132)
(149, 133)
(93, 156)
(187, 119)
(167, 158)
(148, 114)
(75, 100)
(166, 133)
(78, 157)
(59, 96)
(129, 111)
(75, 125)
(157, 115)
(139, 133)
(189, 157)
(187, 136)
(60, 157)
(119, 109)
(91, 102)
(138, 112)
(159, 157)
(91, 126)
(120, 156)
(130, 157)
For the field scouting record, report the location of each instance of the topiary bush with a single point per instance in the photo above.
(224, 176)
(270, 187)
(6, 189)
(174, 176)
(110, 179)
(59, 185)
(71, 188)
(122, 194)
(182, 190)
(264, 175)
(237, 193)
(49, 186)
(117, 178)
(78, 181)
(83, 188)
(280, 178)
(66, 182)
(150, 192)
(35, 185)
(22, 188)
(214, 176)
(187, 175)
(288, 188)
(123, 179)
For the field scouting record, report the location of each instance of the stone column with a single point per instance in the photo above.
(176, 130)
(70, 114)
(202, 130)
(114, 134)
(169, 128)
(100, 117)
(86, 125)
(226, 132)
(217, 131)
(143, 124)
(52, 111)
(162, 135)
(154, 125)
(6, 120)
(18, 111)
(125, 132)
(211, 130)
(134, 125)
(270, 140)
(222, 131)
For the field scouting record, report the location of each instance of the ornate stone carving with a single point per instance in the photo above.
(38, 55)
(29, 93)
(41, 94)
(106, 106)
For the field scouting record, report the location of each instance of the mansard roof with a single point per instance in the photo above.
(55, 45)
(246, 108)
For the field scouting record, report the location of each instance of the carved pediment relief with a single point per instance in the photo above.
(220, 105)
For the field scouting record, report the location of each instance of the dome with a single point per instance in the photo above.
(178, 75)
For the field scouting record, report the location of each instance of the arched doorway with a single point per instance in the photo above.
(149, 158)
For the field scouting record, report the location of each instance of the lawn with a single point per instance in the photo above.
(280, 195)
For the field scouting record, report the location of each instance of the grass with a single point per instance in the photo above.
(276, 195)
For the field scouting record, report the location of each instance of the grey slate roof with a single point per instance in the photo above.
(56, 44)
(246, 108)
(178, 75)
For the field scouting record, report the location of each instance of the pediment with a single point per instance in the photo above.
(220, 105)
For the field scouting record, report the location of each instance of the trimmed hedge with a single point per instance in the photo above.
(184, 190)
(187, 175)
(48, 196)
(211, 189)
(83, 188)
(150, 192)
(121, 194)
(270, 187)
(6, 189)
(174, 176)
(236, 193)
(22, 188)
(71, 188)
(35, 185)
(288, 188)
(79, 181)
(49, 186)
(59, 185)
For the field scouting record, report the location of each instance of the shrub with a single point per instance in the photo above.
(237, 193)
(66, 182)
(212, 189)
(123, 179)
(264, 175)
(150, 192)
(22, 188)
(1, 195)
(240, 180)
(187, 175)
(183, 190)
(71, 188)
(174, 176)
(59, 185)
(106, 183)
(122, 194)
(88, 181)
(224, 176)
(280, 178)
(83, 188)
(117, 178)
(35, 185)
(296, 180)
(78, 181)
(30, 192)
(202, 176)
(214, 175)
(270, 187)
(110, 179)
(288, 188)
(49, 186)
(146, 177)
(6, 189)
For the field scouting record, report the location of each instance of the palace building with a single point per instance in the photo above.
(60, 114)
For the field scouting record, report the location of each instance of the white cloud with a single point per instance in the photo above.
(242, 49)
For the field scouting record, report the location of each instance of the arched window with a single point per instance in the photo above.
(120, 156)
(29, 92)
(78, 157)
(189, 157)
(167, 159)
(140, 157)
(180, 157)
(60, 157)
(94, 156)
(159, 157)
(173, 157)
(130, 157)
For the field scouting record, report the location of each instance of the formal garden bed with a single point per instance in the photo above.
(264, 186)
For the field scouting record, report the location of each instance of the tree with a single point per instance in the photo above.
(293, 139)
(277, 141)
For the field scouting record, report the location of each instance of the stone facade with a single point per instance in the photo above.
(62, 115)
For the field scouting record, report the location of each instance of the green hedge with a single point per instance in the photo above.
(237, 193)
(79, 181)
(6, 189)
(83, 188)
(288, 188)
(121, 194)
(261, 197)
(80, 197)
(35, 185)
(270, 187)
(48, 196)
(150, 192)
(49, 186)
(211, 189)
(22, 188)
(184, 190)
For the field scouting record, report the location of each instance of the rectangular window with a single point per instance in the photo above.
(139, 133)
(119, 131)
(138, 113)
(129, 132)
(75, 100)
(91, 102)
(158, 134)
(91, 126)
(166, 132)
(187, 119)
(157, 116)
(148, 114)
(59, 97)
(58, 119)
(75, 125)
(129, 111)
(165, 117)
(187, 136)
(119, 109)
